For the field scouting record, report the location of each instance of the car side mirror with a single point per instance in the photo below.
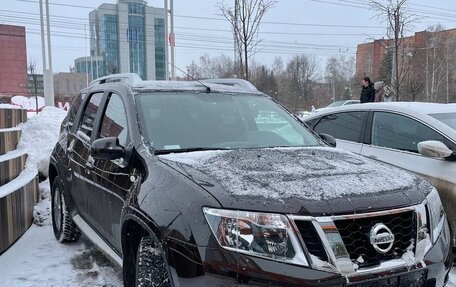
(329, 139)
(107, 149)
(434, 149)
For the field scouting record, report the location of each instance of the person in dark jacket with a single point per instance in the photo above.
(368, 91)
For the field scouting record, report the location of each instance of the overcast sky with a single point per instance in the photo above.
(319, 27)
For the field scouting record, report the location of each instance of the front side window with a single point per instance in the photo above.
(114, 123)
(181, 120)
(400, 132)
(88, 118)
(447, 118)
(345, 126)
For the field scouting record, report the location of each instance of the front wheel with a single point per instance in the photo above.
(65, 230)
(151, 268)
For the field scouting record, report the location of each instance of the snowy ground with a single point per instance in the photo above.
(37, 259)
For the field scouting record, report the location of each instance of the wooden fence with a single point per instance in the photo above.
(10, 118)
(16, 206)
(9, 140)
(16, 213)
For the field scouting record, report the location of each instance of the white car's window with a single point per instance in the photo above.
(400, 132)
(448, 118)
(345, 126)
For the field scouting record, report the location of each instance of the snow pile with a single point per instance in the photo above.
(316, 173)
(42, 210)
(39, 136)
(8, 106)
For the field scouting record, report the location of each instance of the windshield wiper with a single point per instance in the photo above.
(182, 150)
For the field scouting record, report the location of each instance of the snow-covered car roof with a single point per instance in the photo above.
(187, 86)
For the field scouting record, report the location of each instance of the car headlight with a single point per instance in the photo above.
(259, 234)
(436, 214)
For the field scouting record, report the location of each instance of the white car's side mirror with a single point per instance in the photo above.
(434, 149)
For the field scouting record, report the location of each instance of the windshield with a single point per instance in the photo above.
(335, 104)
(449, 119)
(185, 121)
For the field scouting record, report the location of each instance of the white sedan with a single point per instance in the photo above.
(420, 137)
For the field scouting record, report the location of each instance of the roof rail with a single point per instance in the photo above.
(233, 82)
(129, 78)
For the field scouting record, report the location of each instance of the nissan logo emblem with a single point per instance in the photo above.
(381, 238)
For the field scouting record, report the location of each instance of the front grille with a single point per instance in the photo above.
(410, 279)
(355, 234)
(311, 239)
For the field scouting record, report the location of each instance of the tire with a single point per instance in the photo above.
(151, 268)
(65, 230)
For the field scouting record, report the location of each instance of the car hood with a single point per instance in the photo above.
(315, 181)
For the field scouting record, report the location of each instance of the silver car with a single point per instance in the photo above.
(420, 137)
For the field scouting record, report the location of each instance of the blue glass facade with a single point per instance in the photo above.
(90, 66)
(110, 44)
(119, 35)
(160, 49)
(136, 42)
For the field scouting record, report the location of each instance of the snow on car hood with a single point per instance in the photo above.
(316, 174)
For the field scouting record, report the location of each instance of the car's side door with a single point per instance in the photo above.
(346, 127)
(79, 150)
(111, 179)
(394, 139)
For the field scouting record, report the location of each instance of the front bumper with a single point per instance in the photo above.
(225, 268)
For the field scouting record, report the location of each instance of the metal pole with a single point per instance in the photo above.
(43, 55)
(86, 60)
(173, 69)
(166, 39)
(43, 43)
(49, 99)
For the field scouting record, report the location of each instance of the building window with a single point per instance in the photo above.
(136, 41)
(160, 50)
(136, 8)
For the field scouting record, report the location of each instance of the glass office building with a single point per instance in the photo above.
(129, 36)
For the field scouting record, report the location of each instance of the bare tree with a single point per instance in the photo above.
(207, 67)
(339, 73)
(302, 73)
(31, 68)
(395, 14)
(245, 19)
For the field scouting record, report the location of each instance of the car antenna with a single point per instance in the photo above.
(208, 89)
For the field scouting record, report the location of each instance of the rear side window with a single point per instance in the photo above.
(88, 118)
(344, 126)
(400, 132)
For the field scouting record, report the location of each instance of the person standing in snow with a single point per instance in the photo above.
(389, 94)
(379, 91)
(368, 91)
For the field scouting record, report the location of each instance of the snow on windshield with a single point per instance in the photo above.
(311, 173)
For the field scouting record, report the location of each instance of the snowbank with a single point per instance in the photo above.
(8, 106)
(39, 136)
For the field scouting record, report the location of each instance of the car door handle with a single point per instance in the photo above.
(70, 147)
(89, 163)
